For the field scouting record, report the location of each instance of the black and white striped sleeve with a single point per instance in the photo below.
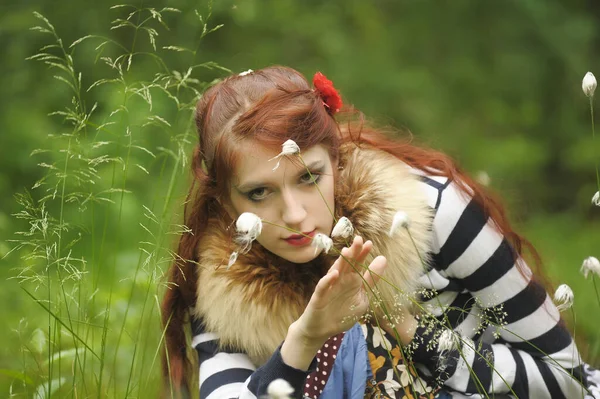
(226, 374)
(533, 354)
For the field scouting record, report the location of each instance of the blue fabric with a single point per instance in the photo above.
(351, 369)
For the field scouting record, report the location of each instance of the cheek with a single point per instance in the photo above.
(331, 191)
(269, 236)
(328, 193)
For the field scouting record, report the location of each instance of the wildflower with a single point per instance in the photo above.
(483, 178)
(321, 241)
(590, 264)
(446, 341)
(330, 96)
(563, 297)
(400, 220)
(343, 228)
(232, 258)
(280, 389)
(288, 148)
(249, 227)
(245, 72)
(589, 84)
(596, 198)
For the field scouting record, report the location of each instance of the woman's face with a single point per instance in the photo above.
(287, 197)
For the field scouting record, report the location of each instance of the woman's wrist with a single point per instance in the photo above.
(298, 350)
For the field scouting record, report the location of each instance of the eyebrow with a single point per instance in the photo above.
(249, 186)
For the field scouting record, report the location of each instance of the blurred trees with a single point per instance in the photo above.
(495, 84)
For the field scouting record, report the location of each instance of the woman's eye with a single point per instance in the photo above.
(310, 178)
(257, 194)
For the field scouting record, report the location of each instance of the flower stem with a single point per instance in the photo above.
(596, 289)
(318, 189)
(594, 141)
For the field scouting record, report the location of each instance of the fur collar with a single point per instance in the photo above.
(251, 305)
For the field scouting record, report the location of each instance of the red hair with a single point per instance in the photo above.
(270, 106)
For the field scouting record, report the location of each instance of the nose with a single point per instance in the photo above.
(293, 209)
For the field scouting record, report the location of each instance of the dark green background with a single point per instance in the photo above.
(496, 84)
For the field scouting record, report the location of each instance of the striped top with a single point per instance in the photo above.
(472, 278)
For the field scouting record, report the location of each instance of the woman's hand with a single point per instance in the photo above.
(340, 297)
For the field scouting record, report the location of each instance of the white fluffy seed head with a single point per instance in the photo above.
(588, 85)
(232, 258)
(563, 297)
(483, 178)
(596, 198)
(590, 265)
(401, 219)
(280, 389)
(248, 227)
(322, 242)
(249, 223)
(447, 341)
(343, 228)
(289, 147)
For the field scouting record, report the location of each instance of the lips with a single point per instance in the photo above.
(300, 239)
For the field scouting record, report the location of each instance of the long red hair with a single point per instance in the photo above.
(270, 106)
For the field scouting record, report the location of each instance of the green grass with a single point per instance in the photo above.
(81, 290)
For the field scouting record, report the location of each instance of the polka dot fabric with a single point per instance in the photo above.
(315, 382)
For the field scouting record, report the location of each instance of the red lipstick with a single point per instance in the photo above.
(299, 240)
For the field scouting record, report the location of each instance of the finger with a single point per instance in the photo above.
(368, 245)
(325, 282)
(376, 269)
(350, 254)
(344, 258)
(336, 265)
(360, 258)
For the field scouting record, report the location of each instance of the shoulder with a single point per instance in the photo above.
(444, 194)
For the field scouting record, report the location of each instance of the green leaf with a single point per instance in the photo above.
(17, 375)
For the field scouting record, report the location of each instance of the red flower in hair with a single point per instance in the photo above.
(330, 96)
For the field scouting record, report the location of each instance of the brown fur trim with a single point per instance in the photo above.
(251, 305)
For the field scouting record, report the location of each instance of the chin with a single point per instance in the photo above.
(304, 255)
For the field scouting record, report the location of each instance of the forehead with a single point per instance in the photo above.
(256, 163)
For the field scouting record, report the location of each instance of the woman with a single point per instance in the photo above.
(481, 324)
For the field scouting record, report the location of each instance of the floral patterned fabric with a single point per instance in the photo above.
(391, 377)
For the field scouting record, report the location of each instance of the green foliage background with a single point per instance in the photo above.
(495, 84)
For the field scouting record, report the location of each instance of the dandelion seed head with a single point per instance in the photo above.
(322, 242)
(590, 264)
(343, 228)
(588, 85)
(401, 220)
(249, 227)
(596, 199)
(289, 147)
(563, 297)
(280, 389)
(483, 178)
(249, 223)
